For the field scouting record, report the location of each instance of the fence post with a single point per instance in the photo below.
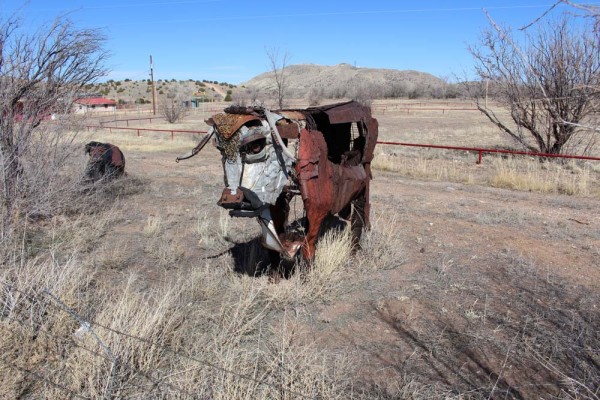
(480, 159)
(172, 136)
(138, 132)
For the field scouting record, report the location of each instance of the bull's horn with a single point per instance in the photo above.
(199, 147)
(273, 124)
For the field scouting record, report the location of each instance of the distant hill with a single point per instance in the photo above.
(129, 91)
(302, 78)
(308, 81)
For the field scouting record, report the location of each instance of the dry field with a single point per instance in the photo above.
(475, 282)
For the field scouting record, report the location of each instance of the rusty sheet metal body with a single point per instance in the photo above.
(334, 148)
(329, 187)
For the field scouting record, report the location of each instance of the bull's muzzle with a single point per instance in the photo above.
(241, 202)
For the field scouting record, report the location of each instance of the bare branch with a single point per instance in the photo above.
(278, 63)
(41, 74)
(535, 21)
(550, 87)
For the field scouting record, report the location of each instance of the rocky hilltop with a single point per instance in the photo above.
(302, 78)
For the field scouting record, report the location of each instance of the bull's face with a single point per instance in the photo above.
(255, 172)
(257, 167)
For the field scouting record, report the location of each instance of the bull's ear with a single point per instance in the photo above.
(88, 148)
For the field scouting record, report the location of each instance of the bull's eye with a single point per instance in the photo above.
(254, 151)
(254, 147)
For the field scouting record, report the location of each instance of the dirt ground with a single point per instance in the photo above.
(491, 290)
(471, 257)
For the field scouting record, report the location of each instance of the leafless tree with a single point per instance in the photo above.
(315, 96)
(590, 11)
(248, 97)
(278, 62)
(549, 86)
(173, 107)
(363, 92)
(41, 73)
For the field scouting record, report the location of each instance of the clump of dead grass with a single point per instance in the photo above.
(544, 177)
(440, 169)
(382, 246)
(320, 280)
(153, 225)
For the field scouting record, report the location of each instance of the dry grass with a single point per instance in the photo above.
(514, 173)
(424, 168)
(382, 247)
(167, 313)
(535, 176)
(201, 332)
(152, 227)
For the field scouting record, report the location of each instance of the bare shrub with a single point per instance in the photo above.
(315, 96)
(41, 74)
(363, 93)
(550, 86)
(173, 108)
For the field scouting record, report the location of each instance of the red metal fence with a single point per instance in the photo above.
(138, 130)
(479, 151)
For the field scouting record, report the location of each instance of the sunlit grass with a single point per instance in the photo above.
(424, 168)
(544, 177)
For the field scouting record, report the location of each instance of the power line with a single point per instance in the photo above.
(345, 13)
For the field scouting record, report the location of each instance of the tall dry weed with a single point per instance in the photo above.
(544, 177)
(382, 246)
(323, 278)
(435, 168)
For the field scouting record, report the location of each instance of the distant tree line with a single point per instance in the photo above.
(360, 91)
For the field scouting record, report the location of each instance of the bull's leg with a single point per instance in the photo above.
(110, 172)
(315, 220)
(357, 219)
(92, 172)
(279, 216)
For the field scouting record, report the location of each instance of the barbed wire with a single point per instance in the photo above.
(43, 378)
(156, 381)
(61, 306)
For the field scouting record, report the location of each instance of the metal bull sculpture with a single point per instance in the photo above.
(106, 162)
(322, 153)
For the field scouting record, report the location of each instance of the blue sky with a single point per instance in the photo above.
(226, 40)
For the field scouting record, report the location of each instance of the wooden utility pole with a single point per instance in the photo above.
(152, 83)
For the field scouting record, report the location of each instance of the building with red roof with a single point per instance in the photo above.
(94, 105)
